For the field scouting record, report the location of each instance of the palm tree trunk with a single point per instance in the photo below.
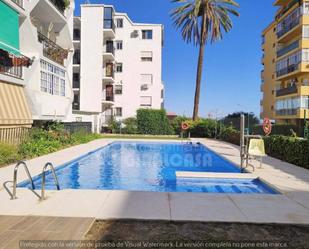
(199, 69)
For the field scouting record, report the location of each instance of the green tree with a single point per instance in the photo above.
(200, 20)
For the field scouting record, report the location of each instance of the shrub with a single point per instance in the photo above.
(130, 126)
(278, 129)
(289, 149)
(8, 154)
(176, 123)
(203, 128)
(152, 121)
(231, 135)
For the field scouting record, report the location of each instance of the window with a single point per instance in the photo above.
(108, 18)
(119, 45)
(52, 79)
(146, 79)
(76, 101)
(306, 31)
(146, 100)
(75, 80)
(119, 67)
(118, 89)
(146, 56)
(119, 23)
(76, 34)
(147, 34)
(76, 57)
(118, 112)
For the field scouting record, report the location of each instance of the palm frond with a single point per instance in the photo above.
(189, 15)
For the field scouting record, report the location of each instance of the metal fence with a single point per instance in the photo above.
(15, 135)
(78, 126)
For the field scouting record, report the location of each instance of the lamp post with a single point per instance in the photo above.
(247, 130)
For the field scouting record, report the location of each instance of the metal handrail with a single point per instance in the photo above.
(13, 194)
(43, 179)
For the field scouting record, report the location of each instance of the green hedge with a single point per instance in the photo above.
(204, 128)
(231, 135)
(288, 149)
(279, 129)
(153, 122)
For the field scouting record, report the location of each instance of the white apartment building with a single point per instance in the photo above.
(41, 30)
(117, 66)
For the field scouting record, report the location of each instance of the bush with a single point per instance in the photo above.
(203, 128)
(8, 154)
(231, 135)
(130, 126)
(289, 149)
(153, 122)
(176, 124)
(278, 129)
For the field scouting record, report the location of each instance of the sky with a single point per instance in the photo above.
(232, 66)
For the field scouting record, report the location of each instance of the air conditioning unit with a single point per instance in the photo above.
(134, 34)
(144, 87)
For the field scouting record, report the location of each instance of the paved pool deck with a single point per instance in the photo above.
(290, 207)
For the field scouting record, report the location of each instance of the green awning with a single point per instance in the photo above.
(9, 29)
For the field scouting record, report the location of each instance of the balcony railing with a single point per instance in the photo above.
(289, 26)
(15, 71)
(110, 48)
(52, 51)
(107, 96)
(286, 91)
(287, 8)
(20, 3)
(287, 112)
(287, 70)
(75, 106)
(13, 65)
(287, 49)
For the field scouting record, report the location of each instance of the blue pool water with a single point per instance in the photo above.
(145, 166)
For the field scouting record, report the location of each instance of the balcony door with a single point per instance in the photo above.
(109, 92)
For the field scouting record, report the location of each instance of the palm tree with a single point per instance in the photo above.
(198, 21)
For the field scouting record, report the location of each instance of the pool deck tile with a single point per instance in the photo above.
(135, 205)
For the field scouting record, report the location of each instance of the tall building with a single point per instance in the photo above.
(285, 78)
(41, 30)
(117, 66)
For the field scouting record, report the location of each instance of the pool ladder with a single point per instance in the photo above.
(42, 196)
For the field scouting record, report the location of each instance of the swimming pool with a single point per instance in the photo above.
(148, 166)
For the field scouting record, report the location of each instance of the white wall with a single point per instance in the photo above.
(133, 67)
(91, 58)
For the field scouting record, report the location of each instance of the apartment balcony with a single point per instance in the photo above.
(287, 112)
(109, 52)
(286, 91)
(108, 74)
(76, 106)
(288, 28)
(52, 51)
(20, 3)
(287, 70)
(287, 49)
(109, 28)
(60, 5)
(13, 65)
(107, 98)
(284, 10)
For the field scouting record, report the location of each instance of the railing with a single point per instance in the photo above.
(15, 71)
(51, 50)
(287, 8)
(14, 135)
(76, 106)
(107, 96)
(288, 48)
(20, 3)
(110, 48)
(286, 112)
(286, 91)
(76, 84)
(287, 26)
(287, 70)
